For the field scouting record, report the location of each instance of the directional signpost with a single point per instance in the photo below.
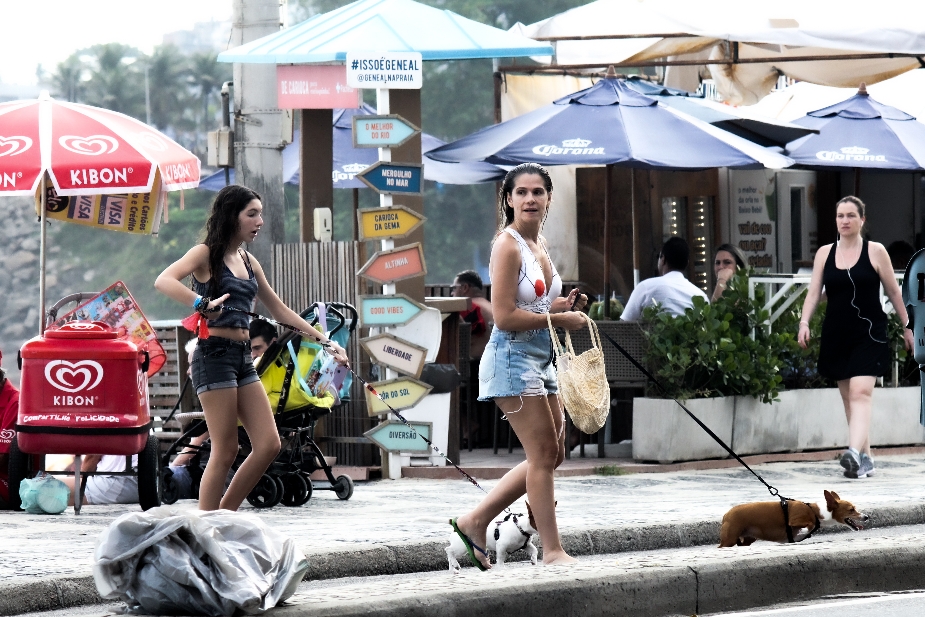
(393, 310)
(394, 436)
(384, 223)
(398, 264)
(384, 71)
(393, 178)
(395, 353)
(401, 393)
(388, 131)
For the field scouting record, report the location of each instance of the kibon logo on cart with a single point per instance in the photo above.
(76, 382)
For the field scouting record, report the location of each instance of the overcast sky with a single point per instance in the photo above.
(45, 32)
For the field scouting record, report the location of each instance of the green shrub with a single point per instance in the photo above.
(709, 351)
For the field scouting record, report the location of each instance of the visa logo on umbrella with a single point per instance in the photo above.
(850, 153)
(569, 146)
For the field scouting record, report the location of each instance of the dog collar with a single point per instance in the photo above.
(512, 516)
(785, 506)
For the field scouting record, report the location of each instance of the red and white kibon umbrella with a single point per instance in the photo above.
(86, 151)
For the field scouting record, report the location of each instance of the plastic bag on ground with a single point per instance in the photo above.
(43, 494)
(166, 562)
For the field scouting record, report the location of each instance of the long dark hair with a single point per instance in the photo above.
(222, 227)
(506, 212)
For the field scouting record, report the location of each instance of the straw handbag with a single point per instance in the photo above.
(583, 386)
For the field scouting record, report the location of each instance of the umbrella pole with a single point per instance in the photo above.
(42, 234)
(635, 228)
(605, 306)
(857, 182)
(356, 221)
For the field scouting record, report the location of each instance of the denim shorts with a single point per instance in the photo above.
(517, 364)
(222, 363)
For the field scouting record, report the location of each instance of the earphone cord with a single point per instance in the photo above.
(854, 294)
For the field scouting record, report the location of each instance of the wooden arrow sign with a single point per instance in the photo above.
(391, 310)
(396, 353)
(389, 222)
(388, 178)
(402, 393)
(397, 264)
(393, 436)
(389, 131)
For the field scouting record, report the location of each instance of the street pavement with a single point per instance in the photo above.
(647, 542)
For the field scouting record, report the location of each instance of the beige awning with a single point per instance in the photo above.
(749, 42)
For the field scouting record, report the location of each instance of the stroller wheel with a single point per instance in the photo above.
(170, 490)
(297, 490)
(344, 487)
(266, 494)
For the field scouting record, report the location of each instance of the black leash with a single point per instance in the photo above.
(774, 492)
(369, 387)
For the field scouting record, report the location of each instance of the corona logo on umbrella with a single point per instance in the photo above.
(569, 146)
(850, 153)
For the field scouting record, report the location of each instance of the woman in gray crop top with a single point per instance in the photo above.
(222, 369)
(516, 367)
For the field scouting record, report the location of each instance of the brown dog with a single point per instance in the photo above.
(748, 522)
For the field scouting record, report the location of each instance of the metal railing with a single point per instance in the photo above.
(782, 290)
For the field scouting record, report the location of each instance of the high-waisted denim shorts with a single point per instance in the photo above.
(517, 364)
(222, 363)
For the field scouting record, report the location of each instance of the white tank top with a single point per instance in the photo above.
(532, 294)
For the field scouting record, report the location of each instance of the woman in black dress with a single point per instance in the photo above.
(855, 347)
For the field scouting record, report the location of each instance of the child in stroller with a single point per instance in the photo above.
(282, 372)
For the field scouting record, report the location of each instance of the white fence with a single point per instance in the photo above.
(782, 290)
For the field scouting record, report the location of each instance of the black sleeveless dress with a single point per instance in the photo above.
(854, 338)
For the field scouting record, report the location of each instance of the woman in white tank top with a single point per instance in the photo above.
(516, 368)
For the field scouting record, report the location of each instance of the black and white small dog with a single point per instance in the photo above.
(505, 536)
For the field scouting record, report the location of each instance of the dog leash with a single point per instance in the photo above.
(774, 492)
(370, 388)
(784, 501)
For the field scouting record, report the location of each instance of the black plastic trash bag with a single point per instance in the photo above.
(171, 562)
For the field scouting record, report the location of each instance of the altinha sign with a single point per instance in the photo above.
(395, 70)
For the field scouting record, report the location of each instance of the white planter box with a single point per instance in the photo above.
(663, 432)
(801, 420)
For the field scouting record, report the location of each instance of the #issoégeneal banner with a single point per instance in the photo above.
(134, 213)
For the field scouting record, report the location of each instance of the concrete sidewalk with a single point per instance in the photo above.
(395, 528)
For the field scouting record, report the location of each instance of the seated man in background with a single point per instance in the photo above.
(671, 290)
(468, 284)
(262, 336)
(9, 410)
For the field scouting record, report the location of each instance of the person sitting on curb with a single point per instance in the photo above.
(9, 410)
(671, 291)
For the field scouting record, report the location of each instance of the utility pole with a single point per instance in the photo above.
(260, 128)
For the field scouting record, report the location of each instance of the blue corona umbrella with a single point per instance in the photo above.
(610, 124)
(861, 132)
(348, 161)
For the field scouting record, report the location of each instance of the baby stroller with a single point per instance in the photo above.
(281, 370)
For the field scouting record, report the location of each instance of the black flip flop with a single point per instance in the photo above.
(470, 545)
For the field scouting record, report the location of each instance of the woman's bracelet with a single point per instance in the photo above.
(804, 323)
